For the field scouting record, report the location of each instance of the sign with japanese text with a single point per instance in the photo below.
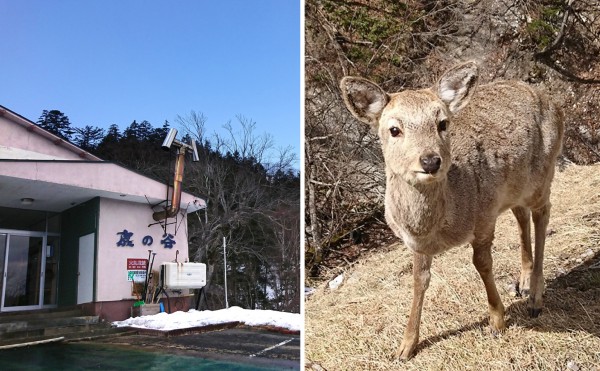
(127, 239)
(136, 269)
(134, 264)
(136, 276)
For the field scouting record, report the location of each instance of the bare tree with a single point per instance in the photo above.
(240, 175)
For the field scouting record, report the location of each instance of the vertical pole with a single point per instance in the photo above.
(147, 276)
(225, 271)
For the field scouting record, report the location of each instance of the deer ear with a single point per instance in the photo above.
(364, 99)
(457, 85)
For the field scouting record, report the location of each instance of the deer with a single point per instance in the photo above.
(457, 155)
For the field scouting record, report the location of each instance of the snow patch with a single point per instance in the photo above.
(194, 318)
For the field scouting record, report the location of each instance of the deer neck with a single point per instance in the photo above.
(417, 209)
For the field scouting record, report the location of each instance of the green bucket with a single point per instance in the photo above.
(138, 303)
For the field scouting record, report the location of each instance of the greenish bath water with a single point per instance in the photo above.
(82, 356)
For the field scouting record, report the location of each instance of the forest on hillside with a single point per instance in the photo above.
(252, 190)
(553, 44)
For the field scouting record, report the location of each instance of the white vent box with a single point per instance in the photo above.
(183, 275)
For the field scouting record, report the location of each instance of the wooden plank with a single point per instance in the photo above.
(53, 340)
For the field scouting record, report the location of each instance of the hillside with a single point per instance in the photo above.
(551, 44)
(360, 324)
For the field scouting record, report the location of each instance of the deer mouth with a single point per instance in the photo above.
(421, 173)
(422, 176)
(430, 173)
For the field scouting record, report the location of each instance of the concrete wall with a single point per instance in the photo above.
(117, 216)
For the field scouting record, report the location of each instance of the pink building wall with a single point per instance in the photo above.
(115, 216)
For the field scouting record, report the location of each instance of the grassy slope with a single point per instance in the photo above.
(359, 325)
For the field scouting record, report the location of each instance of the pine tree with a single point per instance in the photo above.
(57, 123)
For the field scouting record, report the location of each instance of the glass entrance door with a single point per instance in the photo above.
(23, 258)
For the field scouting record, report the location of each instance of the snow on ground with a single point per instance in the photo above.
(194, 318)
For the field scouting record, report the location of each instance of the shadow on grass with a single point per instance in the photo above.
(431, 340)
(571, 303)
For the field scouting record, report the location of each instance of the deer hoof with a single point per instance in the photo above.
(523, 286)
(497, 331)
(405, 351)
(534, 312)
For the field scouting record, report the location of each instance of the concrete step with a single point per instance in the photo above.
(34, 327)
(43, 314)
(68, 333)
(8, 329)
(94, 332)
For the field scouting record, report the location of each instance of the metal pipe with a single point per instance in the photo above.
(147, 276)
(173, 209)
(225, 270)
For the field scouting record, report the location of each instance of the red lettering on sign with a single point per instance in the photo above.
(134, 264)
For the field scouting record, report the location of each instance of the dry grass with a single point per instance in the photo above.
(359, 325)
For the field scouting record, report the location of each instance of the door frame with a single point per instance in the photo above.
(44, 236)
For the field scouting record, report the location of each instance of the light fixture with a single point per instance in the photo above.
(27, 201)
(169, 139)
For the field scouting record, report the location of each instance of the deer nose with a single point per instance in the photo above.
(430, 163)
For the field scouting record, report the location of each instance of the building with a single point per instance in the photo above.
(76, 230)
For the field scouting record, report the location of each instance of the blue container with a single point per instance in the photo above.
(162, 307)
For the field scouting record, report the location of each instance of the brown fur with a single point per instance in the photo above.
(497, 152)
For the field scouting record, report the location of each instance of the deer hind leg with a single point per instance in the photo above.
(523, 215)
(540, 222)
(482, 259)
(421, 276)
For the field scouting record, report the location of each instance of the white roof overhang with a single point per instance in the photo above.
(58, 185)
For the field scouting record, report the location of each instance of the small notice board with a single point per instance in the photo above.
(136, 269)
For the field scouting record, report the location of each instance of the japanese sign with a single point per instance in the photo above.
(127, 239)
(137, 264)
(136, 269)
(168, 241)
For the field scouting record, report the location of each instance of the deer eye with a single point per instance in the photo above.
(395, 131)
(442, 125)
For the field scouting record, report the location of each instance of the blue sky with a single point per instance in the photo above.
(111, 62)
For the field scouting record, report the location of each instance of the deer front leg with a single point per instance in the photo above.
(421, 276)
